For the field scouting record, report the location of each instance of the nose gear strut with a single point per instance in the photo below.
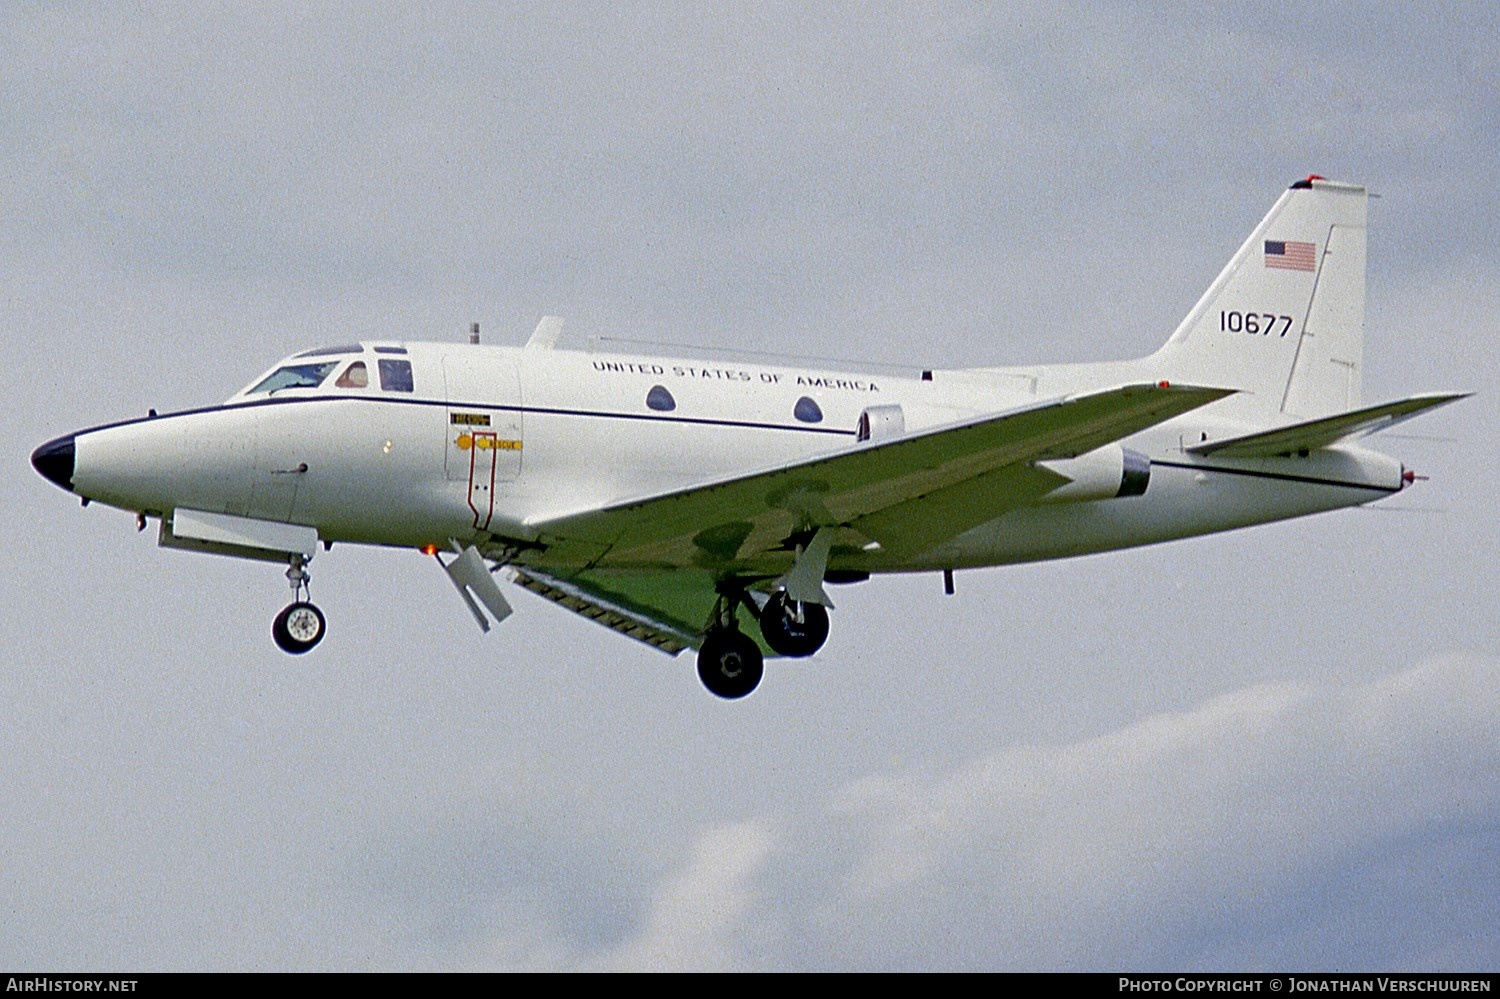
(300, 625)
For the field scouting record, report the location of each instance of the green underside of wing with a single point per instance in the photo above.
(908, 494)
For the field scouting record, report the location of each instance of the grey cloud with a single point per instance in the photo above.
(1282, 827)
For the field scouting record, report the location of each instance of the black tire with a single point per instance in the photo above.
(298, 628)
(730, 664)
(789, 636)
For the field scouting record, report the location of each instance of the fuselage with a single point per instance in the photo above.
(424, 444)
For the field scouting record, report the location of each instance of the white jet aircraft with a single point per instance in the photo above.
(694, 504)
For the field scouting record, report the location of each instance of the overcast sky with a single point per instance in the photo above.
(1273, 749)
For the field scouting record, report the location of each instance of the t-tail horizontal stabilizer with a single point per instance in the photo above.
(471, 577)
(1314, 434)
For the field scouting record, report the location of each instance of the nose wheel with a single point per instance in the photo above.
(300, 625)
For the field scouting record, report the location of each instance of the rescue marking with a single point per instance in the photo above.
(485, 442)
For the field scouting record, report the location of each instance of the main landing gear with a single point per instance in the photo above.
(730, 663)
(793, 627)
(300, 625)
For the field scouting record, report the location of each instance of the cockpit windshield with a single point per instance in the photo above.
(295, 376)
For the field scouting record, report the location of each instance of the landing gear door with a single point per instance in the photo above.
(484, 427)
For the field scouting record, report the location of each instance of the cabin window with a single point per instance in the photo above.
(807, 411)
(395, 376)
(355, 375)
(295, 376)
(660, 399)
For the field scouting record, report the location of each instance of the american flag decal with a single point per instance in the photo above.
(1288, 256)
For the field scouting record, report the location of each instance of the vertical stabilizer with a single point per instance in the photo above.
(1284, 321)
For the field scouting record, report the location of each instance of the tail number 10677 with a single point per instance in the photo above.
(1256, 323)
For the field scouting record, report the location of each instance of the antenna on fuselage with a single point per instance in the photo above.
(473, 332)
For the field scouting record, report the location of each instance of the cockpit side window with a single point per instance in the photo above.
(295, 376)
(395, 376)
(354, 376)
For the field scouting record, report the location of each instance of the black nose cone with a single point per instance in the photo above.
(54, 460)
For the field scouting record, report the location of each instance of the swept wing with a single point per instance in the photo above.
(655, 560)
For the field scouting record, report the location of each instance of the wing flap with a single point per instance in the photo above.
(657, 631)
(1315, 434)
(665, 610)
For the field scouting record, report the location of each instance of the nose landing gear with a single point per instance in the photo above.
(300, 625)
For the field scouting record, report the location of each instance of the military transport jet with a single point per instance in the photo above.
(706, 505)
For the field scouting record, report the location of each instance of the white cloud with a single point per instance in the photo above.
(1260, 829)
(700, 916)
(1124, 843)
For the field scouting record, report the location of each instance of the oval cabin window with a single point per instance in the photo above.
(807, 411)
(660, 399)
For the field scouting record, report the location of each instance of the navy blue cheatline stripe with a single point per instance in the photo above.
(593, 414)
(705, 421)
(1277, 475)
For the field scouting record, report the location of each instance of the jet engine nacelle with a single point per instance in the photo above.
(1104, 473)
(879, 423)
